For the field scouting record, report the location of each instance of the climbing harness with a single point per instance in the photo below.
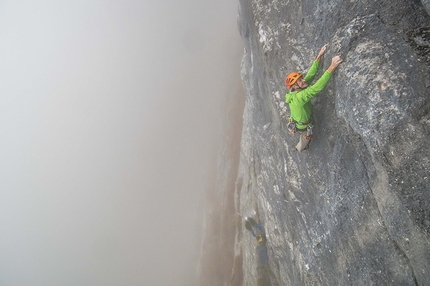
(293, 129)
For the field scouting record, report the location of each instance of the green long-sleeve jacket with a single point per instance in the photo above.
(300, 101)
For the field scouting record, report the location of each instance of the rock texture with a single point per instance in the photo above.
(355, 208)
(426, 4)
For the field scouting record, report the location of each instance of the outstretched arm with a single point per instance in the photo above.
(321, 53)
(335, 61)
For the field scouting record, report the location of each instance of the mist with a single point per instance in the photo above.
(109, 113)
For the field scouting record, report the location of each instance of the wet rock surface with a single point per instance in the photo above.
(354, 209)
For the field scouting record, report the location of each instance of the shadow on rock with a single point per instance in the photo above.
(265, 275)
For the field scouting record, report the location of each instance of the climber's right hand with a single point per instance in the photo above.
(335, 61)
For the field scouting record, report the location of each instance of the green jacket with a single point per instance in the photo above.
(300, 101)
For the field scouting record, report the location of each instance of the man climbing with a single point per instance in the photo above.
(299, 97)
(254, 228)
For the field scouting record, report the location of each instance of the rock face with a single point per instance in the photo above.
(426, 4)
(354, 209)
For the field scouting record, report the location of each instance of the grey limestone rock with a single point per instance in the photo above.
(426, 4)
(355, 208)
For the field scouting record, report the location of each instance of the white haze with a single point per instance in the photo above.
(109, 111)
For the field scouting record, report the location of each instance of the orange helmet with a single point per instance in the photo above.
(292, 78)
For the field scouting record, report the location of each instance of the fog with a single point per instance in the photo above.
(109, 113)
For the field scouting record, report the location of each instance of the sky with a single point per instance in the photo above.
(109, 112)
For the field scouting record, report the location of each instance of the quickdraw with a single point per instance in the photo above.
(309, 132)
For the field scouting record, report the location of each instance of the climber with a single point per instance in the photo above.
(300, 94)
(254, 228)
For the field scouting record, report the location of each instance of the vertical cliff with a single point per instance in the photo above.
(355, 207)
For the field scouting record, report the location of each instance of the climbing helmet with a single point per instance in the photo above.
(292, 78)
